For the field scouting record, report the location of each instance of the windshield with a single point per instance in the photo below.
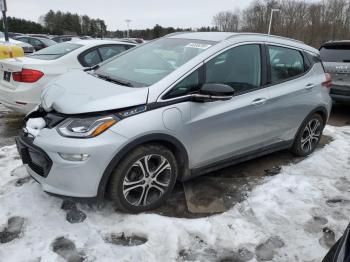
(335, 53)
(151, 62)
(55, 51)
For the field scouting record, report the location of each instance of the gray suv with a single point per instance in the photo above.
(172, 109)
(336, 59)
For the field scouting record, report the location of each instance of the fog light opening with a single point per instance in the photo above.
(74, 157)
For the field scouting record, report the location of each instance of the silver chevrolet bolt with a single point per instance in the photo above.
(172, 109)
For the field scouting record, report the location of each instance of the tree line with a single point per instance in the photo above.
(313, 22)
(68, 23)
(23, 26)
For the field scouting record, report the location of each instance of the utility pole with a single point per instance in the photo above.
(4, 19)
(270, 25)
(101, 24)
(127, 27)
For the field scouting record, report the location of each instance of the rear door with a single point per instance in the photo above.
(293, 88)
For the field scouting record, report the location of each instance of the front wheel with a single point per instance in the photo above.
(309, 135)
(143, 179)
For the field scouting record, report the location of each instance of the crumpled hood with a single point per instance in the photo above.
(78, 92)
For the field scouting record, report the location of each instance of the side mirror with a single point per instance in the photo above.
(214, 92)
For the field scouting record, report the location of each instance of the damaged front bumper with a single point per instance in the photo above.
(44, 157)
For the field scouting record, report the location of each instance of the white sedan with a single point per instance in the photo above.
(22, 79)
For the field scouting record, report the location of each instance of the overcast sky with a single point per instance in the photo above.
(143, 13)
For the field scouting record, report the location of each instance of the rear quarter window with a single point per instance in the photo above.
(285, 63)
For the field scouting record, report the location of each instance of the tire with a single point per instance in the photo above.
(308, 136)
(149, 188)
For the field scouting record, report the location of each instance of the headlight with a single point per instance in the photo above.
(86, 127)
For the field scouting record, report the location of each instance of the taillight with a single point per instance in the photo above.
(328, 82)
(27, 76)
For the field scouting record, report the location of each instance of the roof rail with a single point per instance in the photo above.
(274, 36)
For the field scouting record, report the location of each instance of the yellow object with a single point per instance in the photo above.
(104, 127)
(8, 50)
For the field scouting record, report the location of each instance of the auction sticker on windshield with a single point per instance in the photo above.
(198, 45)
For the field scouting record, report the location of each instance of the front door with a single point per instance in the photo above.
(224, 129)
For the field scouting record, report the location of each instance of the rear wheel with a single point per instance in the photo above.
(309, 135)
(143, 179)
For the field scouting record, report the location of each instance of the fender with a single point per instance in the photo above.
(180, 154)
(324, 114)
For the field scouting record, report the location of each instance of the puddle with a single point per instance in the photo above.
(315, 225)
(10, 124)
(267, 250)
(218, 191)
(13, 229)
(122, 240)
(65, 248)
(207, 195)
(73, 214)
(335, 202)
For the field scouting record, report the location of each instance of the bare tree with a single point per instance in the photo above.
(312, 22)
(227, 21)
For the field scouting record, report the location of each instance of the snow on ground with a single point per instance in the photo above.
(282, 219)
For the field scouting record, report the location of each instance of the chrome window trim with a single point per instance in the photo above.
(163, 93)
(266, 43)
(295, 77)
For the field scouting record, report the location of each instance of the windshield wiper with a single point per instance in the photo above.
(95, 67)
(114, 80)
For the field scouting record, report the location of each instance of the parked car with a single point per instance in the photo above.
(336, 59)
(66, 38)
(27, 48)
(22, 79)
(340, 252)
(40, 35)
(133, 40)
(86, 37)
(37, 42)
(172, 109)
(12, 34)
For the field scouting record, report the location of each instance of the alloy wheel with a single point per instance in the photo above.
(147, 180)
(311, 135)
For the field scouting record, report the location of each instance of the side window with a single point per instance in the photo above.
(285, 63)
(91, 58)
(110, 51)
(239, 67)
(129, 46)
(34, 42)
(185, 87)
(307, 62)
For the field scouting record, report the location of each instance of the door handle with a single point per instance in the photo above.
(309, 86)
(259, 101)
